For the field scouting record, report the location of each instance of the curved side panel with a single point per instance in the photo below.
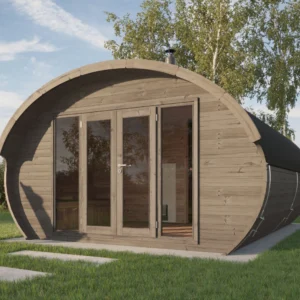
(242, 116)
(287, 153)
(264, 189)
(295, 207)
(232, 177)
(281, 204)
(8, 202)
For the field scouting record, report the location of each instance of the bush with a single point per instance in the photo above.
(2, 193)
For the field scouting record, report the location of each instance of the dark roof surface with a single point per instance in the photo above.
(279, 150)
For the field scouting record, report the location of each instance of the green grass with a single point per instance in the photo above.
(297, 220)
(8, 229)
(273, 275)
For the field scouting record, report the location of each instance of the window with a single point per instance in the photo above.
(98, 173)
(67, 174)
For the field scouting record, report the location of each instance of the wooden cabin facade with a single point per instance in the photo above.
(144, 153)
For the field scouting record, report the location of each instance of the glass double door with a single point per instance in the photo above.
(119, 151)
(138, 172)
(129, 172)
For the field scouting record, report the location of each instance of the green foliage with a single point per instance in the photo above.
(8, 228)
(272, 121)
(147, 35)
(250, 48)
(2, 192)
(272, 38)
(204, 33)
(207, 42)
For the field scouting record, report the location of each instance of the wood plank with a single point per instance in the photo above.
(232, 210)
(35, 168)
(113, 197)
(223, 219)
(222, 133)
(218, 162)
(244, 201)
(196, 173)
(82, 215)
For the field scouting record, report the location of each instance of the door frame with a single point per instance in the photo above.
(53, 172)
(155, 170)
(195, 173)
(84, 227)
(128, 113)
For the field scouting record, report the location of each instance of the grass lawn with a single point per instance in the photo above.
(8, 229)
(274, 275)
(297, 220)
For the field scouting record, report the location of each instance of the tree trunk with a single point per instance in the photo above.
(216, 52)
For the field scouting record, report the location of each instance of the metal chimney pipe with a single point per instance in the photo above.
(170, 59)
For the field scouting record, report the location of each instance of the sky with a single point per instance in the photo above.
(42, 39)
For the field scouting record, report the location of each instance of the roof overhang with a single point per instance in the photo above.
(162, 67)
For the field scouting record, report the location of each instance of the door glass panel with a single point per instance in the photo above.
(98, 173)
(136, 185)
(66, 166)
(176, 142)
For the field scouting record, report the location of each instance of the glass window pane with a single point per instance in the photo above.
(136, 175)
(66, 166)
(176, 141)
(98, 177)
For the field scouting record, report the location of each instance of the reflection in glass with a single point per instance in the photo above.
(66, 166)
(136, 174)
(98, 177)
(176, 141)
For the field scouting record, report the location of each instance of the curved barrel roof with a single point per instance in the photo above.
(279, 150)
(162, 67)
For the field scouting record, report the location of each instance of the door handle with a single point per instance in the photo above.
(123, 165)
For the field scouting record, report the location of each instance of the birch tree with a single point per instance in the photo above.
(204, 33)
(272, 37)
(210, 29)
(248, 47)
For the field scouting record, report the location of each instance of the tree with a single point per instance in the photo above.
(272, 38)
(207, 33)
(271, 120)
(145, 37)
(204, 33)
(250, 48)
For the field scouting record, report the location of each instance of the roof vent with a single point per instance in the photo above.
(170, 59)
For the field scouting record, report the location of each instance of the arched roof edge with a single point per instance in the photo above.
(162, 67)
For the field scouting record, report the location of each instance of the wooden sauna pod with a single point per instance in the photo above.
(241, 176)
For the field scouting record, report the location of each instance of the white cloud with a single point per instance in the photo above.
(9, 100)
(39, 69)
(3, 123)
(9, 50)
(293, 113)
(48, 14)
